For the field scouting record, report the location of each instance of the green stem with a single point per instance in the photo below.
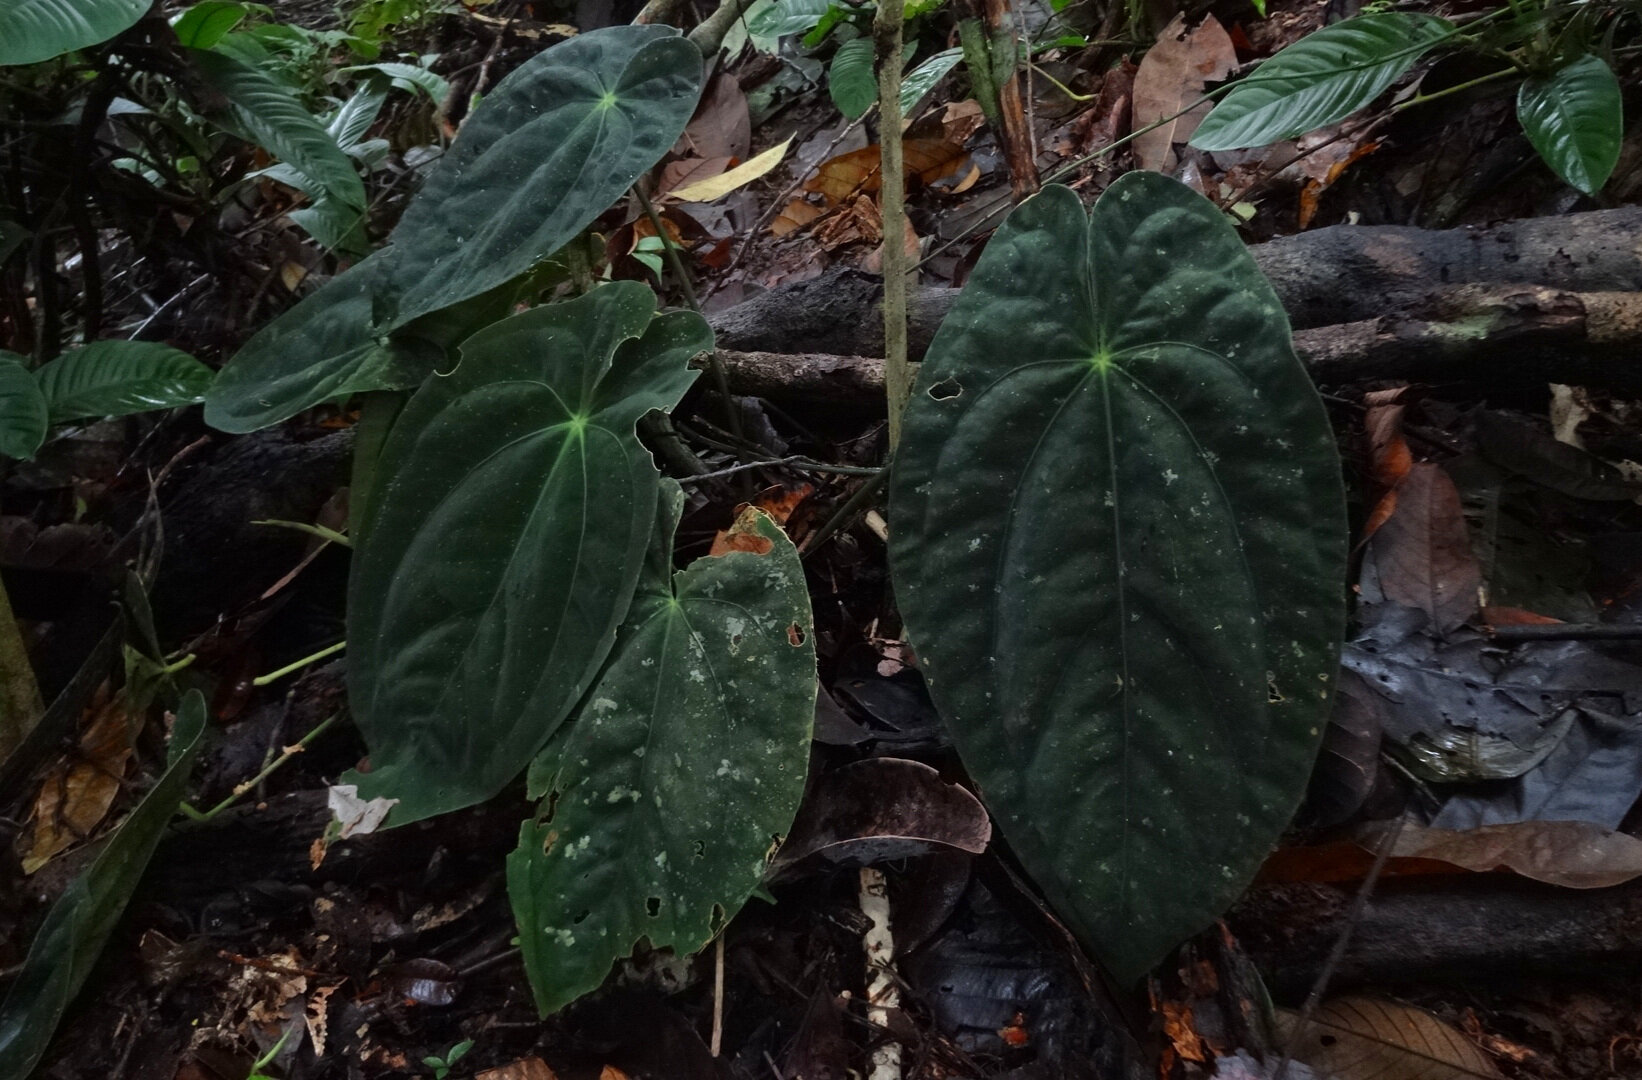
(862, 495)
(1422, 99)
(377, 412)
(887, 35)
(268, 770)
(275, 676)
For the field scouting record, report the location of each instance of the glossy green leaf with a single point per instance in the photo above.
(35, 30)
(547, 152)
(850, 79)
(788, 17)
(512, 510)
(79, 923)
(1573, 118)
(922, 79)
(23, 414)
(205, 24)
(410, 77)
(1320, 79)
(1118, 540)
(684, 763)
(118, 378)
(269, 113)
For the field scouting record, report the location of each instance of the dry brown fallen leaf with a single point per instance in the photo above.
(530, 1068)
(76, 795)
(1363, 1038)
(1172, 75)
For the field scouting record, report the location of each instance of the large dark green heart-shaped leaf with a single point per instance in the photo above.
(79, 923)
(549, 150)
(1573, 118)
(23, 413)
(35, 30)
(683, 766)
(118, 378)
(1118, 540)
(1324, 77)
(501, 549)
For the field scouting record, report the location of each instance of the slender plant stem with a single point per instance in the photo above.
(796, 461)
(886, 34)
(852, 505)
(268, 770)
(715, 365)
(1422, 99)
(275, 676)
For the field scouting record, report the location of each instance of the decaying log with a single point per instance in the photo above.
(1471, 928)
(1545, 299)
(1507, 334)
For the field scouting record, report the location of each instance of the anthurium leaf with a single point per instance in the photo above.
(683, 765)
(549, 150)
(118, 378)
(1324, 77)
(78, 924)
(536, 162)
(513, 507)
(267, 112)
(23, 413)
(1573, 118)
(35, 30)
(850, 79)
(1118, 540)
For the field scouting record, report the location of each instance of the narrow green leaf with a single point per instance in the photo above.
(686, 761)
(35, 30)
(850, 79)
(788, 17)
(268, 113)
(922, 79)
(118, 378)
(79, 923)
(1320, 79)
(1118, 540)
(512, 510)
(1573, 118)
(205, 24)
(549, 150)
(23, 413)
(409, 77)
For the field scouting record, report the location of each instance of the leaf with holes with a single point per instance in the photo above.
(1324, 77)
(513, 507)
(23, 414)
(1118, 541)
(35, 30)
(549, 150)
(1573, 118)
(683, 767)
(118, 378)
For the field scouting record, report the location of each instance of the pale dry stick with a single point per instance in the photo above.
(883, 992)
(718, 996)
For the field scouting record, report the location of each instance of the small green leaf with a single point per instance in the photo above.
(788, 17)
(266, 112)
(686, 760)
(1320, 79)
(409, 77)
(922, 79)
(1573, 118)
(118, 378)
(35, 30)
(80, 922)
(23, 412)
(512, 510)
(205, 24)
(1118, 540)
(850, 79)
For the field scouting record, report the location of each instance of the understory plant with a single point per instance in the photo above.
(1568, 100)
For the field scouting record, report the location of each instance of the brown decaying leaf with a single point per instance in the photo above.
(1423, 551)
(742, 535)
(1311, 192)
(794, 216)
(925, 159)
(778, 501)
(76, 794)
(1171, 76)
(530, 1068)
(1350, 759)
(1363, 1038)
(686, 171)
(1389, 456)
(722, 126)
